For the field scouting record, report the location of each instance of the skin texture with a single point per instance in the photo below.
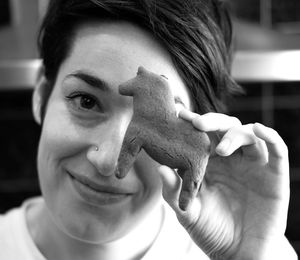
(169, 140)
(240, 211)
(69, 226)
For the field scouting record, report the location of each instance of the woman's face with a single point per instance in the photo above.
(85, 111)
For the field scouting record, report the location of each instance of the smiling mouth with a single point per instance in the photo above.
(97, 194)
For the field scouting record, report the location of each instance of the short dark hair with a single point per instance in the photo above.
(197, 34)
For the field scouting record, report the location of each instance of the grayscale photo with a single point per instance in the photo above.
(149, 129)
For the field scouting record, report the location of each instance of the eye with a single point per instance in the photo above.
(87, 102)
(84, 101)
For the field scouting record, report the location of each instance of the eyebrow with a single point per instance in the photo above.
(103, 85)
(91, 80)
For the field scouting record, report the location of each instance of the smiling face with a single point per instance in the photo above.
(83, 130)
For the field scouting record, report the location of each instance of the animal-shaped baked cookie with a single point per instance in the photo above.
(167, 139)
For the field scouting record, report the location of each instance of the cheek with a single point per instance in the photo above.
(60, 137)
(59, 140)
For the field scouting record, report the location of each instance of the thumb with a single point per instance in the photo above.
(171, 185)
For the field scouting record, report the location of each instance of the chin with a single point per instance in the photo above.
(93, 231)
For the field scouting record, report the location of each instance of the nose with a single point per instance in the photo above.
(104, 152)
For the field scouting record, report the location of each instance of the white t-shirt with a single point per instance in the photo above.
(173, 242)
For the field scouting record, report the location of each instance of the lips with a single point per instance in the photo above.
(96, 193)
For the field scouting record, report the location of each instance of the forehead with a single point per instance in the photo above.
(114, 50)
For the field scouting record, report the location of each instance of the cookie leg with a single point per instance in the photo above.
(129, 151)
(189, 189)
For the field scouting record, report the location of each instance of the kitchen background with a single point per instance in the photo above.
(266, 64)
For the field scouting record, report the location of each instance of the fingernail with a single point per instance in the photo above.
(185, 114)
(223, 147)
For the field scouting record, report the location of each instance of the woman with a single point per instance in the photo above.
(88, 49)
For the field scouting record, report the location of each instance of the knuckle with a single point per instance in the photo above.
(197, 117)
(239, 129)
(210, 113)
(284, 149)
(196, 120)
(235, 120)
(242, 133)
(274, 132)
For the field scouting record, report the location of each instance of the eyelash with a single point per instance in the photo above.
(81, 95)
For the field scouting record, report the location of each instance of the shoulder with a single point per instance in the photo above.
(8, 237)
(8, 222)
(15, 240)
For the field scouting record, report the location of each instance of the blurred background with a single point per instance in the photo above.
(266, 64)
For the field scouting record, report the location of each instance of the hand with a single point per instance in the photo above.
(240, 211)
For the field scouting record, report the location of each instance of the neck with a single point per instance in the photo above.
(55, 244)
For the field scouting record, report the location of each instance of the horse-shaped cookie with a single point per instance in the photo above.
(167, 139)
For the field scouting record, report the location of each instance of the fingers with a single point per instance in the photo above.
(210, 122)
(255, 139)
(214, 124)
(179, 192)
(235, 135)
(258, 142)
(277, 148)
(275, 144)
(171, 185)
(235, 138)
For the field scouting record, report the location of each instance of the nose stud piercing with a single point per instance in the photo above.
(96, 148)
